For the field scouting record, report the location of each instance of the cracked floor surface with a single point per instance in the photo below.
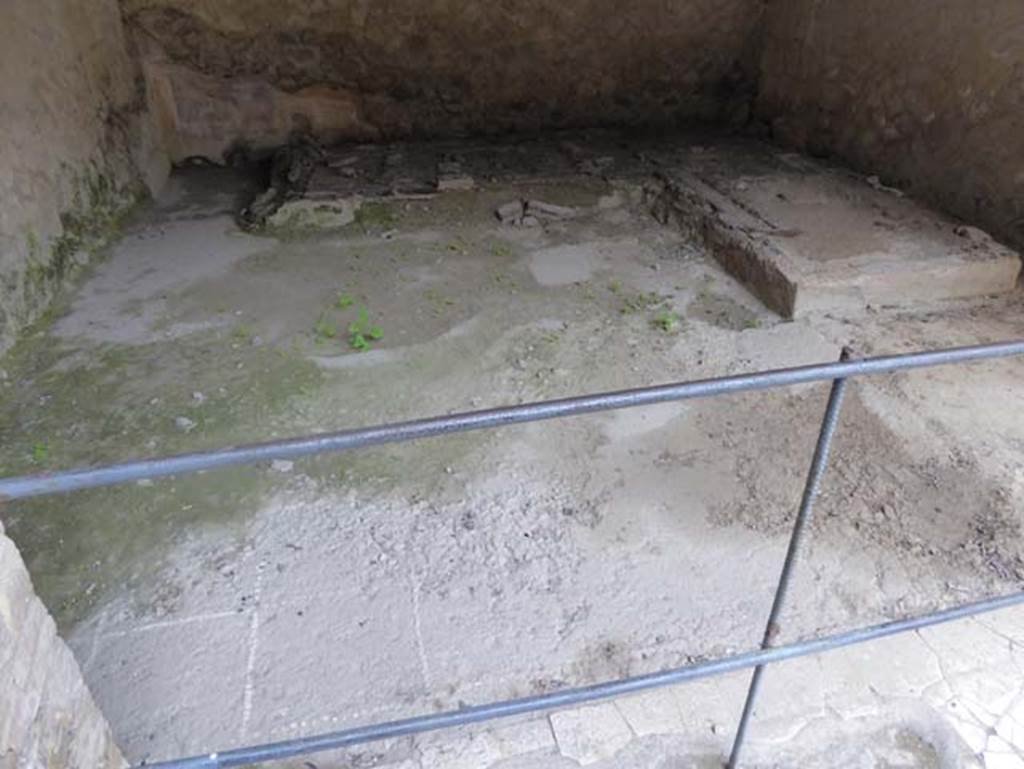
(270, 602)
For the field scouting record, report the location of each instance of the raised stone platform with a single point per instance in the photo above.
(807, 237)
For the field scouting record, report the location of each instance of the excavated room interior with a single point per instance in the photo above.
(229, 222)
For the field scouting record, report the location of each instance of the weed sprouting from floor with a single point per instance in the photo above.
(40, 453)
(325, 328)
(634, 301)
(361, 333)
(243, 333)
(666, 320)
(637, 302)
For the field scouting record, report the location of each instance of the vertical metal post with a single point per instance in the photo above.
(803, 517)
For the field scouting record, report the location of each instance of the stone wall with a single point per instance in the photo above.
(927, 94)
(47, 716)
(72, 144)
(365, 69)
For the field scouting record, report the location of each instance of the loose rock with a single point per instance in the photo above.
(544, 210)
(184, 424)
(531, 213)
(511, 213)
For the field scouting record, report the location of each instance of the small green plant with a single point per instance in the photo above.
(243, 332)
(40, 453)
(635, 302)
(344, 300)
(361, 333)
(615, 287)
(501, 249)
(666, 320)
(325, 328)
(752, 323)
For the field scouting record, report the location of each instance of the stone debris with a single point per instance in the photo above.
(290, 172)
(972, 233)
(511, 213)
(875, 182)
(184, 424)
(282, 465)
(452, 177)
(531, 213)
(549, 210)
(305, 214)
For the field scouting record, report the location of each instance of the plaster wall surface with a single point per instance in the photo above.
(47, 716)
(72, 142)
(927, 94)
(351, 69)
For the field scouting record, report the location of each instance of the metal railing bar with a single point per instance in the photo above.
(819, 464)
(580, 695)
(291, 448)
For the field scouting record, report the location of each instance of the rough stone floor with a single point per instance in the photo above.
(262, 603)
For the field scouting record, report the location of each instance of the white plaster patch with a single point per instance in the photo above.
(591, 734)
